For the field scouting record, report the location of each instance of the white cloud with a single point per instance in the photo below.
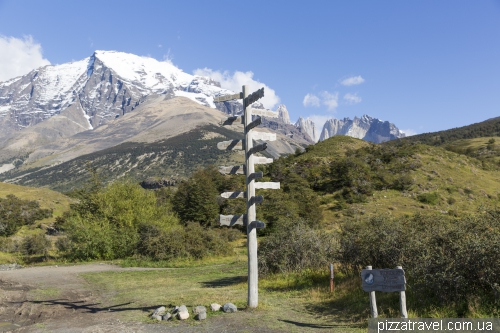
(330, 100)
(352, 98)
(235, 81)
(311, 100)
(19, 56)
(351, 81)
(409, 132)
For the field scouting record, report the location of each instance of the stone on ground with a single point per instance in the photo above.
(158, 312)
(201, 316)
(166, 316)
(199, 309)
(215, 307)
(229, 307)
(182, 315)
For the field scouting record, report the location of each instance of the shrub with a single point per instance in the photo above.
(430, 198)
(295, 248)
(458, 257)
(105, 223)
(192, 241)
(35, 244)
(14, 213)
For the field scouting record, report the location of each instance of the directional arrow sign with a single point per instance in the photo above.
(256, 200)
(255, 96)
(263, 136)
(254, 123)
(262, 160)
(234, 120)
(231, 220)
(230, 145)
(257, 225)
(267, 185)
(228, 97)
(256, 149)
(232, 170)
(255, 175)
(265, 113)
(234, 195)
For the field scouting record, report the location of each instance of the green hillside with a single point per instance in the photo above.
(357, 179)
(487, 128)
(48, 199)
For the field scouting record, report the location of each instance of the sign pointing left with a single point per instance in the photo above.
(228, 97)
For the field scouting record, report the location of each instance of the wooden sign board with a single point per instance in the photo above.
(232, 170)
(257, 225)
(254, 97)
(388, 280)
(257, 148)
(234, 120)
(228, 97)
(234, 195)
(231, 220)
(255, 175)
(265, 113)
(262, 160)
(230, 145)
(267, 185)
(263, 136)
(256, 199)
(254, 123)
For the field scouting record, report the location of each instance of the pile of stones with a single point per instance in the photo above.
(199, 312)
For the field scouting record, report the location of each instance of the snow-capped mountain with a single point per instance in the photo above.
(366, 128)
(104, 86)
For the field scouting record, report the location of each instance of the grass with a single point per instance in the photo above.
(285, 302)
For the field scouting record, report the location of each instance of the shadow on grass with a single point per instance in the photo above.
(224, 282)
(94, 307)
(315, 326)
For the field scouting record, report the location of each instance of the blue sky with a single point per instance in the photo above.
(423, 65)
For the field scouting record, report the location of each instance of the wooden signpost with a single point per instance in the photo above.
(386, 280)
(248, 219)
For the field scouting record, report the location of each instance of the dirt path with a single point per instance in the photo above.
(57, 299)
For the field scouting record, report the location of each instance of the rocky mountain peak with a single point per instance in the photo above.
(307, 126)
(283, 114)
(366, 128)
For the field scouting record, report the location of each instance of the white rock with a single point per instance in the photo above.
(215, 307)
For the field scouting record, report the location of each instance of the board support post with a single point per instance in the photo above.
(373, 300)
(402, 301)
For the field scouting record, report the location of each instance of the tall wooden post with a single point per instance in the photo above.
(373, 300)
(253, 283)
(248, 219)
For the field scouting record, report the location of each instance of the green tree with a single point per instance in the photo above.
(196, 199)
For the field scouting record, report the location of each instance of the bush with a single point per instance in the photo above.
(457, 257)
(105, 223)
(14, 213)
(36, 244)
(8, 245)
(192, 241)
(431, 198)
(296, 247)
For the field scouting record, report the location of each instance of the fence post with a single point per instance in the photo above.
(402, 300)
(332, 283)
(373, 300)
